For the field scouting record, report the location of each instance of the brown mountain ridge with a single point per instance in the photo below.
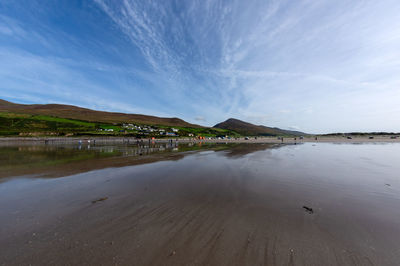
(79, 113)
(245, 128)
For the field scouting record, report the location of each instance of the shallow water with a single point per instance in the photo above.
(65, 159)
(239, 205)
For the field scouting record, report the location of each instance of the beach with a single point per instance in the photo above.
(244, 205)
(142, 141)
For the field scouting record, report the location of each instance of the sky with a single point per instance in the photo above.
(316, 66)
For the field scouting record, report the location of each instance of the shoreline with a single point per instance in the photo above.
(133, 140)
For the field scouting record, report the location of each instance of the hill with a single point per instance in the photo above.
(249, 129)
(83, 114)
(68, 120)
(59, 119)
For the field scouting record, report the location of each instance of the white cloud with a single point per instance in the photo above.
(320, 65)
(200, 118)
(297, 128)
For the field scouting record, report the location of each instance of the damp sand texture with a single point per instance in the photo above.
(309, 204)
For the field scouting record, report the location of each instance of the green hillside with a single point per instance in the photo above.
(21, 124)
(17, 124)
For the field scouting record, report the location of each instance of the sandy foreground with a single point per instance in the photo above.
(238, 207)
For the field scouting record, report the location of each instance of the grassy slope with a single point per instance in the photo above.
(83, 114)
(206, 132)
(17, 123)
(14, 123)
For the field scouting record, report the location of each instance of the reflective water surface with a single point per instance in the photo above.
(220, 205)
(64, 159)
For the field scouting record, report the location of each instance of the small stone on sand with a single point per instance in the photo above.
(101, 199)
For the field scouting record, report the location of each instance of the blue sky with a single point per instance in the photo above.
(316, 66)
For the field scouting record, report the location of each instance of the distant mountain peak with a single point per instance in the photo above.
(245, 128)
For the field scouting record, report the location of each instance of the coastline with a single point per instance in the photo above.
(133, 140)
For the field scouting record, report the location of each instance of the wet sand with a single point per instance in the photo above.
(84, 165)
(61, 160)
(242, 206)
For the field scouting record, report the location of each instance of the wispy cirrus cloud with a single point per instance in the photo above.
(320, 65)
